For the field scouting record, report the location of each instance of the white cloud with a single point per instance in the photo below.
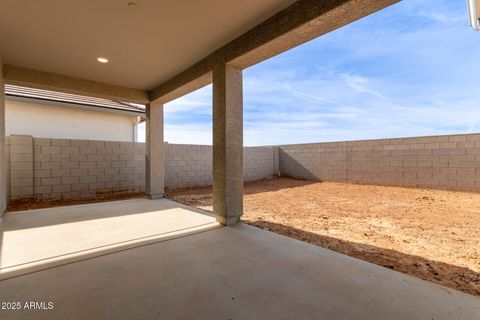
(436, 16)
(361, 84)
(199, 101)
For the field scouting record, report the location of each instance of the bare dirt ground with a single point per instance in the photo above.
(430, 234)
(30, 205)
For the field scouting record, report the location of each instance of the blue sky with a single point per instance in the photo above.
(412, 69)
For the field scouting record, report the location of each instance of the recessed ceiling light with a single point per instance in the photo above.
(102, 60)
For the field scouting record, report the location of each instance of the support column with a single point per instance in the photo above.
(3, 173)
(154, 159)
(227, 144)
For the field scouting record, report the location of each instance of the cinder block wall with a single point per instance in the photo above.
(79, 169)
(443, 162)
(20, 166)
(44, 169)
(191, 165)
(260, 162)
(187, 165)
(51, 169)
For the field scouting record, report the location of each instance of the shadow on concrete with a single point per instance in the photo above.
(452, 276)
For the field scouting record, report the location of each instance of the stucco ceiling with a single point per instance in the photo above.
(146, 44)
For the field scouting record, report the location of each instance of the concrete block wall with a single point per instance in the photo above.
(77, 169)
(316, 161)
(260, 162)
(187, 165)
(191, 165)
(442, 162)
(46, 169)
(52, 169)
(20, 167)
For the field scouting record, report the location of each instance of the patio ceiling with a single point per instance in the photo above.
(157, 50)
(146, 44)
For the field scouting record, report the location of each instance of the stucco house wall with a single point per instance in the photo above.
(57, 122)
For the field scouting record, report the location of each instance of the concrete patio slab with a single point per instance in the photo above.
(238, 272)
(38, 239)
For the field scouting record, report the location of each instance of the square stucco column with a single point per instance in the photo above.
(3, 173)
(227, 144)
(154, 158)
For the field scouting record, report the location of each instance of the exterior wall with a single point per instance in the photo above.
(52, 169)
(3, 145)
(444, 162)
(20, 162)
(191, 165)
(260, 162)
(7, 167)
(45, 121)
(187, 165)
(43, 169)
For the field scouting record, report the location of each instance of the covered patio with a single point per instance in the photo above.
(39, 239)
(154, 258)
(236, 272)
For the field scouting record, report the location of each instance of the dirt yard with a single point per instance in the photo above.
(430, 234)
(30, 205)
